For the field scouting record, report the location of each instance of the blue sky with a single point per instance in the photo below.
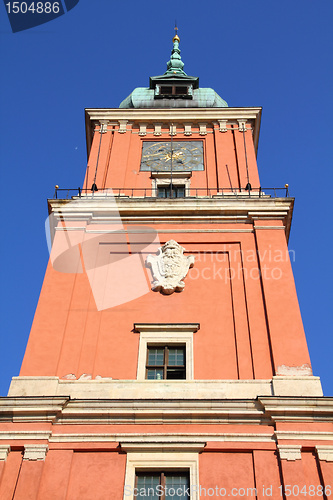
(277, 55)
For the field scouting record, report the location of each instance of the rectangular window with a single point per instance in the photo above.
(174, 91)
(163, 485)
(166, 362)
(174, 191)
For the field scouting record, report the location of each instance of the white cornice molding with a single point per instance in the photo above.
(35, 451)
(43, 409)
(304, 435)
(153, 447)
(166, 327)
(299, 409)
(325, 453)
(91, 209)
(289, 452)
(87, 207)
(154, 440)
(24, 435)
(4, 450)
(193, 115)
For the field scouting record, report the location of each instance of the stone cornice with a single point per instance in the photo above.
(150, 211)
(43, 408)
(298, 409)
(263, 410)
(121, 117)
(166, 327)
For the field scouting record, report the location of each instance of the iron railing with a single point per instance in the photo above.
(191, 192)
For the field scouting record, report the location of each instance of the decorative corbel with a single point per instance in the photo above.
(223, 125)
(188, 129)
(202, 129)
(143, 129)
(122, 126)
(242, 125)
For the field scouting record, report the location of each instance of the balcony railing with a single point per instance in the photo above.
(152, 193)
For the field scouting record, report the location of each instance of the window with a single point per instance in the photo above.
(176, 336)
(165, 362)
(171, 191)
(148, 461)
(173, 91)
(162, 485)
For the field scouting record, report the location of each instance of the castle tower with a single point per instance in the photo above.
(167, 350)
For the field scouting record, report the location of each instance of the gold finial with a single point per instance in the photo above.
(176, 37)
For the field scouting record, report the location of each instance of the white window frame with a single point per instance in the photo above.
(164, 334)
(179, 178)
(161, 461)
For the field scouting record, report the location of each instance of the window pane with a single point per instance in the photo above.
(180, 193)
(147, 486)
(176, 357)
(181, 90)
(175, 487)
(161, 192)
(176, 373)
(155, 357)
(155, 374)
(166, 90)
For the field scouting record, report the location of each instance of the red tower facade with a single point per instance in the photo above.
(167, 354)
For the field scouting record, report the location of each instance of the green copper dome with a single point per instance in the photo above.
(173, 89)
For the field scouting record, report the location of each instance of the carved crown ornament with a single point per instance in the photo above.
(169, 268)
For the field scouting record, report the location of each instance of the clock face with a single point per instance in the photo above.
(185, 155)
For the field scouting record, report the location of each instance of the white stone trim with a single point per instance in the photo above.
(291, 385)
(162, 461)
(165, 441)
(161, 443)
(173, 390)
(163, 334)
(122, 126)
(242, 125)
(23, 435)
(157, 129)
(35, 451)
(202, 128)
(289, 452)
(187, 128)
(4, 451)
(304, 435)
(272, 227)
(223, 125)
(169, 327)
(103, 126)
(325, 453)
(143, 129)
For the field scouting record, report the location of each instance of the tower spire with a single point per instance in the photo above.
(175, 64)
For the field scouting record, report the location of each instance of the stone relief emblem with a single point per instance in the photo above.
(169, 267)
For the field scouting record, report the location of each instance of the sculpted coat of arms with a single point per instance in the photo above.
(169, 267)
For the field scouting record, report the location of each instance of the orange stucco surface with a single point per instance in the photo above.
(88, 473)
(246, 320)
